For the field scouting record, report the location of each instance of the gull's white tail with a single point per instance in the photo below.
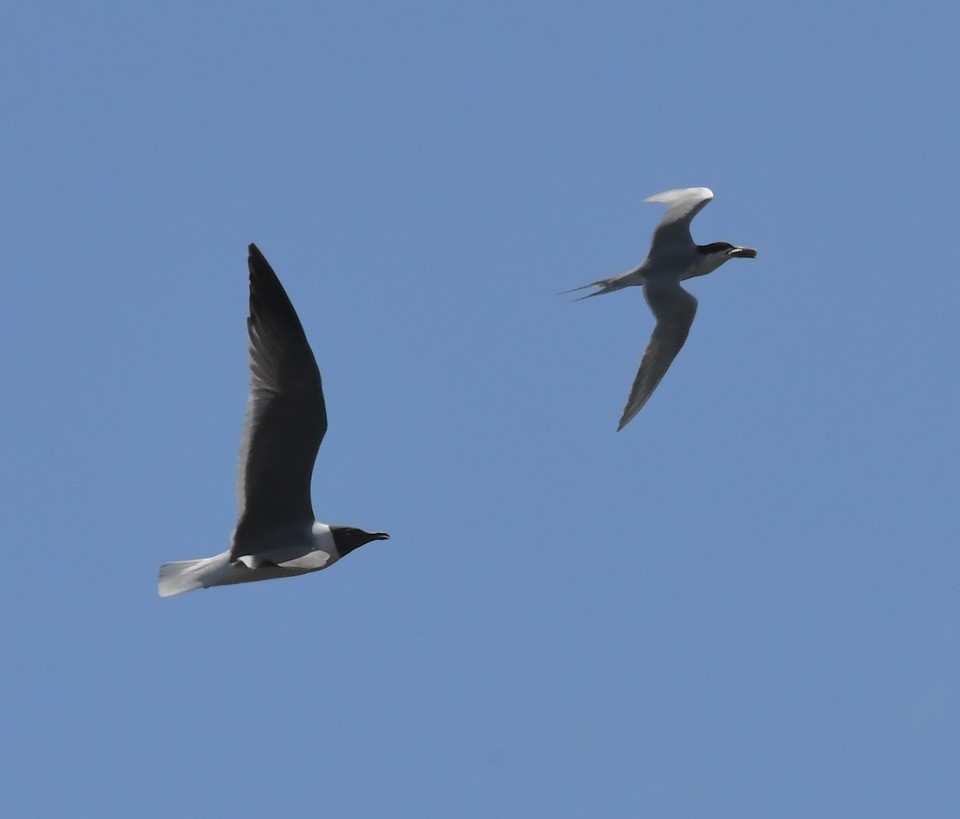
(181, 576)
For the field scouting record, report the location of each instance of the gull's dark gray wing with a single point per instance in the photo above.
(673, 232)
(674, 309)
(286, 416)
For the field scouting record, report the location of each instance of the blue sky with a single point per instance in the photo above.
(744, 604)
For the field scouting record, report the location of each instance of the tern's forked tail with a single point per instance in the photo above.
(602, 285)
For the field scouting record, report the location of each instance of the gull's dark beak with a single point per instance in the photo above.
(742, 253)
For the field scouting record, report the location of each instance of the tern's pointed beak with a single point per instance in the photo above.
(742, 253)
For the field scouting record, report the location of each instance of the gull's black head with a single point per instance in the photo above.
(347, 538)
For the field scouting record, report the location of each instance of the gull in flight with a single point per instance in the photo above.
(673, 258)
(276, 534)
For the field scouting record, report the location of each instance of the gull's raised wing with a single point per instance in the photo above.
(286, 415)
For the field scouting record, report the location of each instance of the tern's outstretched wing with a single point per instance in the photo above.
(674, 229)
(286, 415)
(674, 309)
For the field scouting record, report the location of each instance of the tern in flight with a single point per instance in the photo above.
(673, 257)
(276, 534)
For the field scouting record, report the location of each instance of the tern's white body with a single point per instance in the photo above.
(678, 265)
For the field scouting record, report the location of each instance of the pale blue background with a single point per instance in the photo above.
(743, 605)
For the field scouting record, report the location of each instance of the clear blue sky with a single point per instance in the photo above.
(745, 604)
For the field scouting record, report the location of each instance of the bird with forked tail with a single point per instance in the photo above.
(673, 258)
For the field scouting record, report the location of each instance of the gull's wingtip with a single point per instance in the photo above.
(257, 262)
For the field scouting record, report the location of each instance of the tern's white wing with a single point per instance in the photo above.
(286, 415)
(674, 229)
(674, 308)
